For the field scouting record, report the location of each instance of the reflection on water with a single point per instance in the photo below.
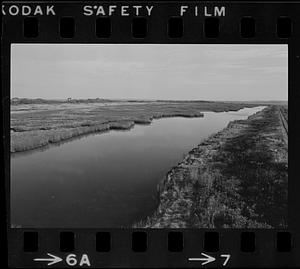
(108, 179)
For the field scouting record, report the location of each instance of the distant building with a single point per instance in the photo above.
(69, 99)
(15, 99)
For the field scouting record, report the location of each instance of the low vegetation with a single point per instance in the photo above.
(37, 122)
(238, 178)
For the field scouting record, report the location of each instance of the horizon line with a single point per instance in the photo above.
(146, 99)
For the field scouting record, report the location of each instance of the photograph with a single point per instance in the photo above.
(149, 136)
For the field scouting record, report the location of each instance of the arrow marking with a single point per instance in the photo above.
(54, 259)
(206, 260)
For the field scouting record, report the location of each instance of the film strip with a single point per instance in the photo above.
(151, 134)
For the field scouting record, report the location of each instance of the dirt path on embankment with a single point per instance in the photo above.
(237, 178)
(283, 112)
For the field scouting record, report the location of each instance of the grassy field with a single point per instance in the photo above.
(36, 122)
(237, 178)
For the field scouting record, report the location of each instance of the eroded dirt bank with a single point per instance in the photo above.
(237, 178)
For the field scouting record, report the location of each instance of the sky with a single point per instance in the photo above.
(150, 71)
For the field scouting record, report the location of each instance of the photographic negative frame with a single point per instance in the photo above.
(169, 23)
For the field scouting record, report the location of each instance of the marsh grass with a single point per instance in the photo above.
(38, 123)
